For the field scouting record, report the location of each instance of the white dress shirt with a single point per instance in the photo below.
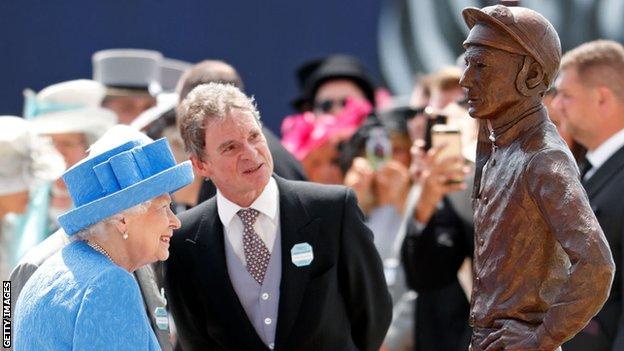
(602, 153)
(267, 224)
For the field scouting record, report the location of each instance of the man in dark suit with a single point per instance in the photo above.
(590, 97)
(208, 71)
(268, 263)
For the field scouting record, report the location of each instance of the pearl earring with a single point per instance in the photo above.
(125, 235)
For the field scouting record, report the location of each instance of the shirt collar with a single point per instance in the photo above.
(266, 203)
(602, 153)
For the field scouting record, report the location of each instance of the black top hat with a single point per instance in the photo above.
(312, 74)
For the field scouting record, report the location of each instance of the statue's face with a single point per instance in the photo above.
(490, 81)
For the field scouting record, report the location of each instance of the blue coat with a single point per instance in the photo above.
(80, 300)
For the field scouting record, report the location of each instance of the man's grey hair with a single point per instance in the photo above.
(104, 226)
(208, 102)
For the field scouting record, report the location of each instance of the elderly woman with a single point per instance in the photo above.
(84, 296)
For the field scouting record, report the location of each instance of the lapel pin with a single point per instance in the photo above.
(162, 319)
(301, 254)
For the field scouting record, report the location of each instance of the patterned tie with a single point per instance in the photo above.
(257, 254)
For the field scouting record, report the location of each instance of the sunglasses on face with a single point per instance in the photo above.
(326, 106)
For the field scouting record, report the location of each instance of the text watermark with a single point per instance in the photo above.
(6, 314)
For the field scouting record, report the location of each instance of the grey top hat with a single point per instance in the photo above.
(170, 72)
(125, 71)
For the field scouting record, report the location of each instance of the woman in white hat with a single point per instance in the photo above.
(24, 158)
(70, 114)
(85, 297)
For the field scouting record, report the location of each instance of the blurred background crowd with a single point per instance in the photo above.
(365, 94)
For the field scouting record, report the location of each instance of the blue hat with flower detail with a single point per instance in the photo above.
(115, 178)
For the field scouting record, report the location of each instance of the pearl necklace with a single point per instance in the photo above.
(95, 246)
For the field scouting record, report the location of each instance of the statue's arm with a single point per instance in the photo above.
(553, 183)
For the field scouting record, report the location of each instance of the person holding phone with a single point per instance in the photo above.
(437, 225)
(438, 240)
(376, 160)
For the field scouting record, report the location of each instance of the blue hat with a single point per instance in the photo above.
(118, 178)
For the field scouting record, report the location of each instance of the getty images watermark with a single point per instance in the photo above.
(6, 314)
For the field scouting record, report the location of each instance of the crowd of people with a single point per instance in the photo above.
(353, 230)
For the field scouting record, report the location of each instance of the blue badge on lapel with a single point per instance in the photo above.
(301, 254)
(162, 319)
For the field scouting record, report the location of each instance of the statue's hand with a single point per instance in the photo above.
(514, 335)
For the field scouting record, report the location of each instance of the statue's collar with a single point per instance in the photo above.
(503, 132)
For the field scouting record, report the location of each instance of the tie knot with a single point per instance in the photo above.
(248, 216)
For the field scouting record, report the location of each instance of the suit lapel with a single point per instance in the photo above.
(605, 173)
(296, 227)
(212, 269)
(151, 296)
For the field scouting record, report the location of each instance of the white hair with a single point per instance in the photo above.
(102, 227)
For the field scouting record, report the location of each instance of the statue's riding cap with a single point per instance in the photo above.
(517, 30)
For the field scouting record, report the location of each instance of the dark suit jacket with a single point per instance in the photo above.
(285, 165)
(431, 258)
(605, 190)
(338, 302)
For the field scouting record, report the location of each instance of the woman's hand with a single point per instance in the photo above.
(438, 177)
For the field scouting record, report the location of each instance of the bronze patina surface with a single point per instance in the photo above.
(542, 265)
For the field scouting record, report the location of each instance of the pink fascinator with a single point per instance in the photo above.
(303, 133)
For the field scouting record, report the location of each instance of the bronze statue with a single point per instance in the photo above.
(542, 266)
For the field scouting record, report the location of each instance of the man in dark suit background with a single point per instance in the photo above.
(590, 97)
(268, 263)
(208, 71)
